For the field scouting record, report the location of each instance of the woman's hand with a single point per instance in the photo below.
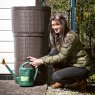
(35, 62)
(31, 58)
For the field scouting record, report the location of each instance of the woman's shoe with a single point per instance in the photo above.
(79, 85)
(82, 86)
(56, 85)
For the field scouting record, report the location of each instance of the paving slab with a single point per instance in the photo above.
(9, 87)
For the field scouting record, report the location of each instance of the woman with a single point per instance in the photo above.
(70, 60)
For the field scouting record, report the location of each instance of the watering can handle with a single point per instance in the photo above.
(36, 69)
(24, 64)
(36, 72)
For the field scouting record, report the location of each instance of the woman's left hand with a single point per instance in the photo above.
(34, 61)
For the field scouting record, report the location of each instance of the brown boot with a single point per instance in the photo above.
(82, 86)
(79, 85)
(56, 85)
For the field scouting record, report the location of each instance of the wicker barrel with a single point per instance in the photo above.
(30, 29)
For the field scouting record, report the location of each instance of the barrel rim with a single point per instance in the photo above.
(31, 8)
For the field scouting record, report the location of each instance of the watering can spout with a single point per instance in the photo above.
(13, 74)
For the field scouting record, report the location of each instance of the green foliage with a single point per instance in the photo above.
(61, 6)
(92, 77)
(85, 22)
(58, 5)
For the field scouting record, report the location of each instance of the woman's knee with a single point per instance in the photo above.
(56, 76)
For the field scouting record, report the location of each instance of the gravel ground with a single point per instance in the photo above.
(65, 91)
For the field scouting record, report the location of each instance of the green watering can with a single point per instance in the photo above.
(27, 75)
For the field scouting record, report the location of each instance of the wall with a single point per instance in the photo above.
(6, 35)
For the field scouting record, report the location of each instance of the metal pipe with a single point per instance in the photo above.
(72, 15)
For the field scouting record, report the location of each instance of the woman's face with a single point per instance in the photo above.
(56, 25)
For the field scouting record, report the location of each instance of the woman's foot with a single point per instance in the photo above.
(79, 85)
(56, 85)
(82, 86)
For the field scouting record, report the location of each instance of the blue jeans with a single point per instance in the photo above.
(70, 74)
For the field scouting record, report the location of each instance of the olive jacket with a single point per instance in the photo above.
(72, 50)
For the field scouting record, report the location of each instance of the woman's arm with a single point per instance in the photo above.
(69, 44)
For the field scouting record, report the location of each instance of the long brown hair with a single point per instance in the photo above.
(64, 30)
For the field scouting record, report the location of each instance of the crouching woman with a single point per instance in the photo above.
(69, 59)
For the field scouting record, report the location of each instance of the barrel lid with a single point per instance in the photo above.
(31, 8)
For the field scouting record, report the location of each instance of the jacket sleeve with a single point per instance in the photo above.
(68, 45)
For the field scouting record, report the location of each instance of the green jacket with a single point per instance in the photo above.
(71, 50)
